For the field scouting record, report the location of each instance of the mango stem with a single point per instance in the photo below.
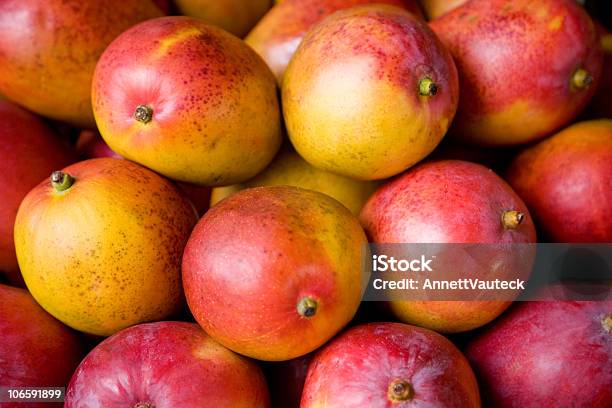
(427, 87)
(606, 322)
(143, 113)
(400, 390)
(61, 181)
(307, 307)
(512, 219)
(581, 79)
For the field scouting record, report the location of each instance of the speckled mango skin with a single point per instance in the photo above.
(166, 364)
(447, 201)
(351, 96)
(235, 16)
(49, 50)
(279, 33)
(515, 60)
(90, 145)
(253, 257)
(565, 181)
(289, 169)
(106, 253)
(216, 119)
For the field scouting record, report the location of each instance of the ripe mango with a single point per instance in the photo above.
(100, 245)
(369, 92)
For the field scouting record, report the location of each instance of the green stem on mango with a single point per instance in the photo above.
(307, 307)
(143, 113)
(427, 87)
(61, 181)
(512, 219)
(581, 79)
(400, 390)
(144, 405)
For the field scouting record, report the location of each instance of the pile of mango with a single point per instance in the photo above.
(189, 189)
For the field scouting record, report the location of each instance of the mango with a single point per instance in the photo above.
(189, 101)
(100, 243)
(274, 272)
(49, 50)
(526, 68)
(370, 92)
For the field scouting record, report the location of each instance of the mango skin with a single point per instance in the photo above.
(35, 349)
(234, 16)
(448, 201)
(49, 50)
(545, 354)
(516, 59)
(215, 120)
(29, 152)
(289, 169)
(253, 257)
(435, 8)
(106, 253)
(356, 369)
(351, 96)
(565, 181)
(90, 145)
(167, 364)
(279, 33)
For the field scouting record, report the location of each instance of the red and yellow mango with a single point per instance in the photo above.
(189, 101)
(526, 68)
(370, 92)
